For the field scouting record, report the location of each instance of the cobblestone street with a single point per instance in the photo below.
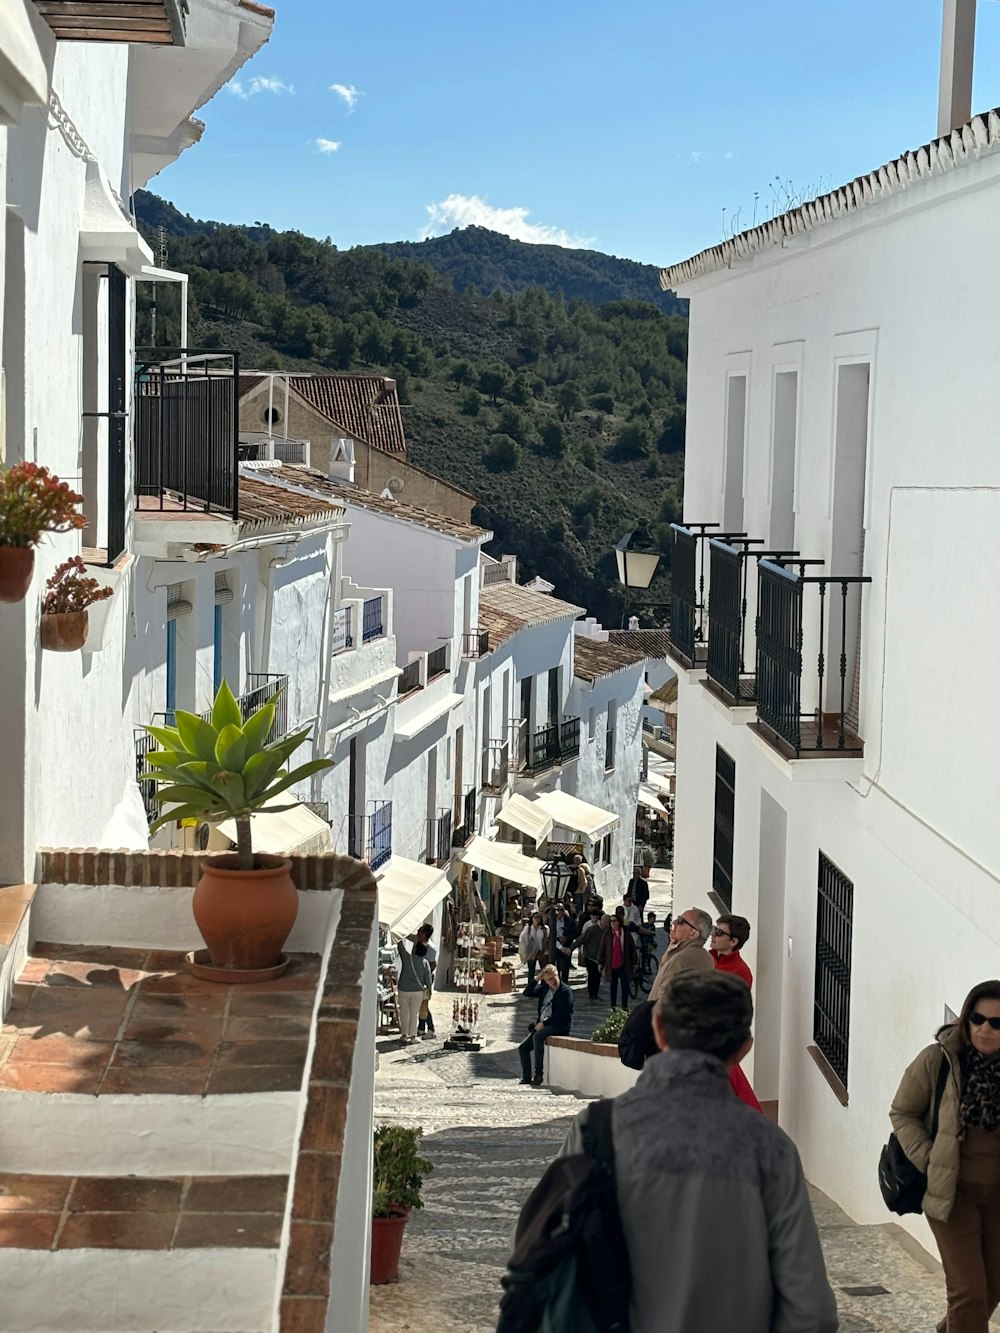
(490, 1140)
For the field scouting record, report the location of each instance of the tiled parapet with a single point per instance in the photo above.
(166, 869)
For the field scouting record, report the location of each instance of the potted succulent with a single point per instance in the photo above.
(397, 1178)
(245, 903)
(68, 594)
(32, 502)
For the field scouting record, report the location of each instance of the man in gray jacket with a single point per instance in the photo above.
(712, 1197)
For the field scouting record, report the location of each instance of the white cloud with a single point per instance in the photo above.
(695, 158)
(347, 92)
(327, 145)
(260, 83)
(468, 210)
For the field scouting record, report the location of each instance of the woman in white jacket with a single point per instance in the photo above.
(532, 948)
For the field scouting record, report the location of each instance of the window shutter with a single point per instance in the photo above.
(177, 605)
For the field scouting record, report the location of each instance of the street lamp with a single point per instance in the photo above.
(638, 556)
(557, 876)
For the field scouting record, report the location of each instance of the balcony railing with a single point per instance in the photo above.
(517, 735)
(409, 679)
(781, 597)
(437, 662)
(569, 738)
(552, 745)
(343, 629)
(732, 605)
(466, 817)
(186, 431)
(439, 832)
(500, 573)
(496, 766)
(372, 626)
(476, 643)
(369, 837)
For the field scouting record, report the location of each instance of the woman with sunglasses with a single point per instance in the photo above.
(962, 1201)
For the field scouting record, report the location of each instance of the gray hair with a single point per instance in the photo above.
(702, 922)
(549, 970)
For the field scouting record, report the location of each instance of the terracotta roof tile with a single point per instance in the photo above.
(262, 503)
(363, 406)
(247, 383)
(593, 658)
(650, 642)
(520, 604)
(499, 625)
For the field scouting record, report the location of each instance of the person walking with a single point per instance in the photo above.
(638, 890)
(425, 1019)
(413, 985)
(589, 953)
(555, 1018)
(686, 952)
(962, 1200)
(705, 1180)
(633, 917)
(618, 960)
(729, 934)
(533, 947)
(566, 933)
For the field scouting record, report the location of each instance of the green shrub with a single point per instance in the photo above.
(398, 1169)
(611, 1029)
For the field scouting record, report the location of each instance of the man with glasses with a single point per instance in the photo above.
(729, 934)
(686, 953)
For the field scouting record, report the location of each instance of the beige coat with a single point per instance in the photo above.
(690, 956)
(910, 1114)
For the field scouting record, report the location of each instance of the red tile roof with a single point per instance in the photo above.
(262, 504)
(363, 406)
(593, 658)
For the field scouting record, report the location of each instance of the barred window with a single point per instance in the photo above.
(832, 1004)
(725, 821)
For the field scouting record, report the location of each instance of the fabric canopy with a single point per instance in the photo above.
(571, 813)
(284, 831)
(526, 817)
(408, 892)
(424, 718)
(504, 859)
(649, 798)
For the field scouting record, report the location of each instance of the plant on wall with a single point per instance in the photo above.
(33, 502)
(70, 589)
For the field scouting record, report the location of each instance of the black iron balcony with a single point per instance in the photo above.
(439, 838)
(496, 766)
(260, 687)
(409, 679)
(466, 817)
(553, 745)
(437, 662)
(569, 738)
(829, 727)
(687, 592)
(517, 733)
(732, 604)
(476, 644)
(186, 431)
(369, 837)
(371, 620)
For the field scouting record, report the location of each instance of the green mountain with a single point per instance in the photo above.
(565, 417)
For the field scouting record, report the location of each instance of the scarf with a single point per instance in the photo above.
(980, 1104)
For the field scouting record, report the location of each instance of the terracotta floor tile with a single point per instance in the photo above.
(118, 1231)
(165, 960)
(81, 1000)
(272, 1028)
(124, 1194)
(59, 1049)
(186, 1054)
(28, 1231)
(200, 1030)
(35, 1194)
(246, 1003)
(180, 983)
(41, 949)
(50, 1078)
(164, 1006)
(64, 973)
(35, 969)
(80, 1028)
(21, 993)
(256, 1078)
(282, 1051)
(233, 1230)
(236, 1194)
(179, 1082)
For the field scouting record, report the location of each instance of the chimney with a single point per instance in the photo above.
(633, 622)
(958, 39)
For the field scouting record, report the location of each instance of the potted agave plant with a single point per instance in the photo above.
(398, 1177)
(245, 903)
(32, 502)
(68, 594)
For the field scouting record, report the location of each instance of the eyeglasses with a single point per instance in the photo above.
(724, 933)
(977, 1020)
(683, 921)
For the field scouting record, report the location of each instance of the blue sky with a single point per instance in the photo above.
(628, 126)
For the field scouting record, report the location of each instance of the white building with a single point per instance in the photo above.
(842, 405)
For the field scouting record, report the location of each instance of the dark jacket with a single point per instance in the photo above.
(628, 954)
(639, 889)
(561, 1019)
(570, 932)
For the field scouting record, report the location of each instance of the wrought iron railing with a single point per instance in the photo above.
(371, 619)
(437, 662)
(409, 678)
(517, 733)
(496, 766)
(369, 837)
(569, 738)
(555, 744)
(466, 817)
(476, 643)
(439, 831)
(687, 591)
(781, 591)
(732, 602)
(260, 687)
(186, 430)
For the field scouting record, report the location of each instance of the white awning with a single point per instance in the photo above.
(24, 80)
(504, 859)
(570, 812)
(283, 831)
(419, 721)
(526, 817)
(649, 798)
(407, 893)
(661, 782)
(106, 234)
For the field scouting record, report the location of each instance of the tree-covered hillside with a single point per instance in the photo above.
(565, 418)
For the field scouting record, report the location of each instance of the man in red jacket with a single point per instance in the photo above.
(729, 934)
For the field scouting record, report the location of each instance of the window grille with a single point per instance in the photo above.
(832, 1004)
(725, 822)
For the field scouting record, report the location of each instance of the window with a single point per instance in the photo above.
(725, 822)
(605, 848)
(526, 692)
(609, 739)
(783, 427)
(592, 723)
(736, 424)
(832, 1004)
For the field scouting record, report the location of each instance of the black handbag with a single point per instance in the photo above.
(903, 1186)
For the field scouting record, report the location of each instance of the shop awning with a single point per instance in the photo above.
(106, 234)
(526, 817)
(407, 893)
(504, 859)
(282, 831)
(649, 798)
(571, 813)
(423, 719)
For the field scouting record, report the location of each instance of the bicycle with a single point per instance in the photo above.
(642, 978)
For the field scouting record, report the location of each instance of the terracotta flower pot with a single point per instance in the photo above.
(64, 631)
(245, 916)
(16, 566)
(387, 1242)
(497, 983)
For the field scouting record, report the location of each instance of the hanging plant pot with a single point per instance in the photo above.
(16, 566)
(64, 631)
(245, 916)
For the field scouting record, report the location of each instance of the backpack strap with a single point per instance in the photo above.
(942, 1080)
(597, 1138)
